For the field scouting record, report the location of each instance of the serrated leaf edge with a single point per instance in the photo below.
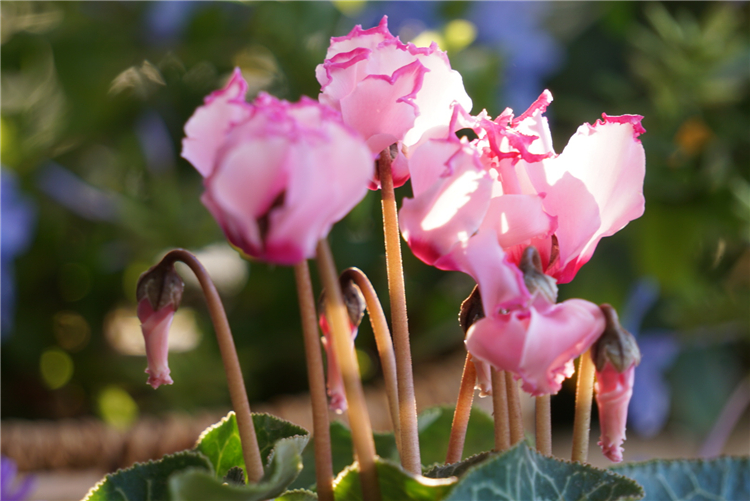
(226, 418)
(528, 446)
(649, 462)
(430, 482)
(191, 452)
(435, 466)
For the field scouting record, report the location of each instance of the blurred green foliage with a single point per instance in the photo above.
(102, 90)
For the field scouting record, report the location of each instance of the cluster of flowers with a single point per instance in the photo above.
(503, 208)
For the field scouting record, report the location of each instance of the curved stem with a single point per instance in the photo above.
(359, 420)
(738, 401)
(236, 384)
(383, 342)
(500, 410)
(543, 425)
(582, 420)
(316, 380)
(410, 457)
(462, 413)
(515, 417)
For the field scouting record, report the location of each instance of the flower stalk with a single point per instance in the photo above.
(582, 420)
(500, 410)
(410, 456)
(384, 344)
(462, 413)
(544, 425)
(515, 417)
(316, 379)
(236, 384)
(359, 420)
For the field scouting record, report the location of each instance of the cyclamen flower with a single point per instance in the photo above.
(615, 356)
(277, 175)
(159, 292)
(539, 339)
(591, 190)
(155, 326)
(389, 91)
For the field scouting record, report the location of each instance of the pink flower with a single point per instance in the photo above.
(155, 326)
(591, 190)
(539, 346)
(613, 392)
(451, 197)
(390, 91)
(277, 175)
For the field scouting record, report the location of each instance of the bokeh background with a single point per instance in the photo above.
(94, 99)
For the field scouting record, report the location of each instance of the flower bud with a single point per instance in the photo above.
(161, 286)
(534, 277)
(616, 345)
(471, 310)
(615, 355)
(355, 307)
(159, 292)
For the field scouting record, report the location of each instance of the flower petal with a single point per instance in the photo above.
(609, 162)
(207, 128)
(155, 326)
(500, 281)
(382, 108)
(613, 392)
(538, 346)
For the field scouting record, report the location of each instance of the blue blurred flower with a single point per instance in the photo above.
(10, 488)
(531, 53)
(649, 407)
(165, 21)
(18, 221)
(77, 195)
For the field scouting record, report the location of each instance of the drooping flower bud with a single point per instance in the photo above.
(534, 277)
(616, 345)
(615, 355)
(473, 311)
(355, 307)
(159, 292)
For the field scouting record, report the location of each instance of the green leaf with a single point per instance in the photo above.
(458, 469)
(342, 453)
(725, 478)
(298, 495)
(220, 443)
(285, 464)
(395, 484)
(522, 473)
(434, 433)
(147, 481)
